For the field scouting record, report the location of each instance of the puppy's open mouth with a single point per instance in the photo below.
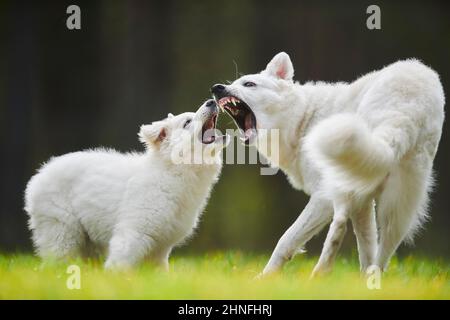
(242, 114)
(209, 128)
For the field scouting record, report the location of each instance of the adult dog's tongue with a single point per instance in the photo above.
(248, 123)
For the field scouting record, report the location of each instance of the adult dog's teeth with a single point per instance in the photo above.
(233, 101)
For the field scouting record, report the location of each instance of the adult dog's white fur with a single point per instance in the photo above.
(351, 146)
(134, 205)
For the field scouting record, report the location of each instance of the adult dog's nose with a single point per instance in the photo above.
(217, 89)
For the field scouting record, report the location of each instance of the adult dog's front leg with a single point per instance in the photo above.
(317, 213)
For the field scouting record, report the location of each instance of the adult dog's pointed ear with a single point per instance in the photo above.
(153, 134)
(280, 67)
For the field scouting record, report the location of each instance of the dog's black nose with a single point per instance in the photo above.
(210, 103)
(217, 88)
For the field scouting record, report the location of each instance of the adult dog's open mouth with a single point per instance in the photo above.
(208, 129)
(242, 114)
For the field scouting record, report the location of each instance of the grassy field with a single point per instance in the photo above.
(221, 275)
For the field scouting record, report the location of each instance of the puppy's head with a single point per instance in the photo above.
(186, 135)
(254, 100)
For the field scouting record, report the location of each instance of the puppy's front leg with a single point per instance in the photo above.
(315, 216)
(126, 248)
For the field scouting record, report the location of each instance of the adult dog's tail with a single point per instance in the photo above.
(351, 157)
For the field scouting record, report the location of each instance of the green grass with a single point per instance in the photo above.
(221, 275)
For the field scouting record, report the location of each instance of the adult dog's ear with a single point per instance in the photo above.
(280, 67)
(153, 134)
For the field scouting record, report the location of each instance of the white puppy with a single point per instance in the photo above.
(348, 145)
(136, 205)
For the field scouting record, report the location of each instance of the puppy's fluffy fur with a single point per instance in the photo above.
(134, 206)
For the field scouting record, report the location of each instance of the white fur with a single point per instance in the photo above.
(134, 205)
(352, 146)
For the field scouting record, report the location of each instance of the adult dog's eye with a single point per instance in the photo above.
(249, 84)
(187, 123)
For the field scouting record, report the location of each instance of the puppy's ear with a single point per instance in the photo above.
(153, 134)
(280, 67)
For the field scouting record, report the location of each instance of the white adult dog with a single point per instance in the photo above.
(135, 205)
(349, 146)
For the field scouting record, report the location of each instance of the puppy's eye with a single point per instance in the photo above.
(187, 123)
(249, 84)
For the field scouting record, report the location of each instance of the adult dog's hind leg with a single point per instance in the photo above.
(401, 208)
(365, 229)
(315, 216)
(338, 228)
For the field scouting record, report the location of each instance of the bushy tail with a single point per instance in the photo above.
(351, 157)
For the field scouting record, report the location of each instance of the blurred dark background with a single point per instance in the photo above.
(133, 62)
